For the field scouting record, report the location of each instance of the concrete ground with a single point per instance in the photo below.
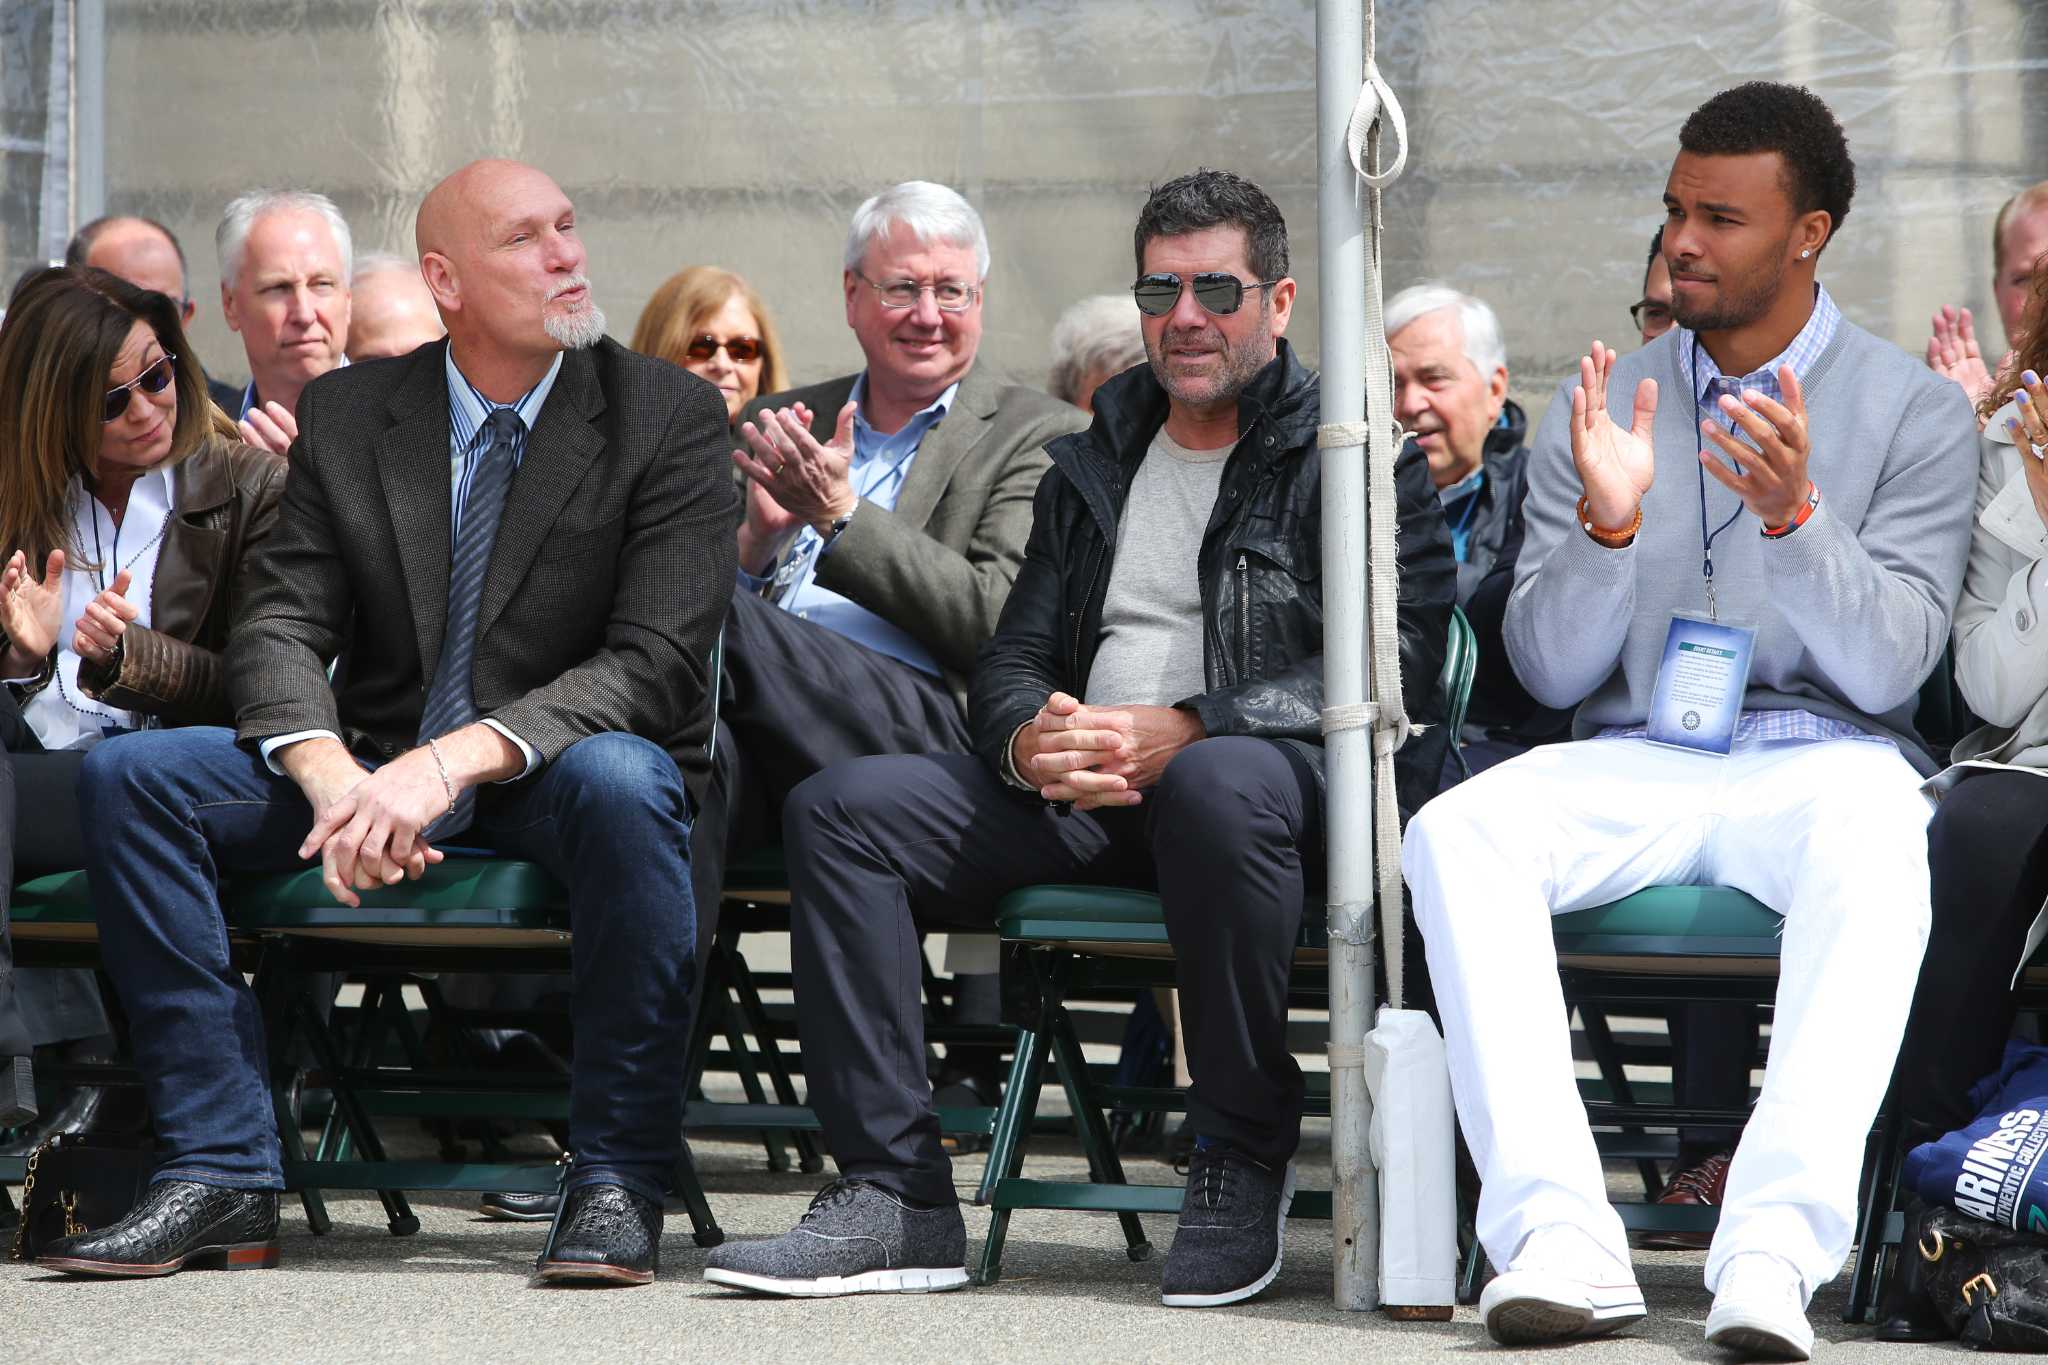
(458, 1291)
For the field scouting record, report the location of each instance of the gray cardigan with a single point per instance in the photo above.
(1851, 611)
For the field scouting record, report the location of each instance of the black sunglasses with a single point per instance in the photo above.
(1219, 292)
(153, 380)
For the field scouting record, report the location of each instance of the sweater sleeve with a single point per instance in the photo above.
(1567, 619)
(1872, 603)
(2001, 647)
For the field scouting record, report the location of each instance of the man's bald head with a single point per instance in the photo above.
(140, 251)
(499, 249)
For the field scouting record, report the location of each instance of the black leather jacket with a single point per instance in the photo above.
(1261, 570)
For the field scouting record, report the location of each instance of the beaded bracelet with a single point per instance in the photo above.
(1613, 540)
(442, 764)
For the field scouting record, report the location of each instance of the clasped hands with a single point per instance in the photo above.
(1096, 756)
(793, 480)
(1616, 466)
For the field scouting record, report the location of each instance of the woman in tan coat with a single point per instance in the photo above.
(129, 515)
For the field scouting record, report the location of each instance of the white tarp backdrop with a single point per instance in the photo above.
(744, 132)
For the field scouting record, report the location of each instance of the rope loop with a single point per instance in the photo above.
(1377, 104)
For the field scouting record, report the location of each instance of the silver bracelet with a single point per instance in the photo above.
(442, 764)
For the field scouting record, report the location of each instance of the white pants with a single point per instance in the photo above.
(1832, 835)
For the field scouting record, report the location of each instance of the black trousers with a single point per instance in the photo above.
(796, 699)
(1987, 850)
(40, 833)
(880, 847)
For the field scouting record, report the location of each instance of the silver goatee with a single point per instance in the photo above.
(584, 327)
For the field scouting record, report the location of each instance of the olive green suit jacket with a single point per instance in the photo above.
(939, 565)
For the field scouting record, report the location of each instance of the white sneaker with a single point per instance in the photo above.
(1760, 1309)
(1562, 1284)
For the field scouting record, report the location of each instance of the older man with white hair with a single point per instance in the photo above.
(391, 309)
(285, 260)
(1095, 340)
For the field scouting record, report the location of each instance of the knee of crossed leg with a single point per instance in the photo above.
(1214, 785)
(826, 807)
(618, 777)
(121, 778)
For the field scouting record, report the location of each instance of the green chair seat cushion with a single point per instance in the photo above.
(1693, 921)
(465, 893)
(59, 898)
(1081, 914)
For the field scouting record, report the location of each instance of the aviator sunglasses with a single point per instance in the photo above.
(741, 349)
(1219, 292)
(153, 380)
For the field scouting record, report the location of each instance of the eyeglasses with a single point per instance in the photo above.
(153, 380)
(952, 296)
(741, 349)
(1219, 292)
(1649, 315)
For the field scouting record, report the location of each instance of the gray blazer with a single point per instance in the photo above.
(940, 565)
(608, 583)
(2001, 640)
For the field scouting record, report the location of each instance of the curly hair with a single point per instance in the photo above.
(1764, 116)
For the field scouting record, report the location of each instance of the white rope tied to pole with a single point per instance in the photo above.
(1376, 113)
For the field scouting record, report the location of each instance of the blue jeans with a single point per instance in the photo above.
(168, 811)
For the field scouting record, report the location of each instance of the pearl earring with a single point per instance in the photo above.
(1804, 254)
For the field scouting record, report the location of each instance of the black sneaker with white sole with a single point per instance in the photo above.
(1227, 1247)
(856, 1238)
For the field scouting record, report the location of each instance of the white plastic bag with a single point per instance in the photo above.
(1414, 1146)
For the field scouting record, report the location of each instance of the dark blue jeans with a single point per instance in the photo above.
(169, 811)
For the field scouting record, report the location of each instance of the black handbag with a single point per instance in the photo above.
(76, 1182)
(1988, 1282)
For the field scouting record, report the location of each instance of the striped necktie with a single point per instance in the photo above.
(451, 701)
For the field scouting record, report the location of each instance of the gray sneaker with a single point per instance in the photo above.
(1227, 1247)
(856, 1238)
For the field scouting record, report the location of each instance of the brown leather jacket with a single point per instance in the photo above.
(224, 499)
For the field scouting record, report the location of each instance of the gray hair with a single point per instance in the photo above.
(933, 213)
(1097, 333)
(1483, 346)
(244, 209)
(379, 262)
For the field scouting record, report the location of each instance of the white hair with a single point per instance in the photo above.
(1097, 333)
(1483, 345)
(244, 209)
(933, 213)
(382, 262)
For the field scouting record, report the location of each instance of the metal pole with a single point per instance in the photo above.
(89, 200)
(1341, 273)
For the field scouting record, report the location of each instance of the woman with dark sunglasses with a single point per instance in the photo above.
(713, 324)
(128, 514)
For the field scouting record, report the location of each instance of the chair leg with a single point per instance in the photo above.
(1607, 1057)
(750, 1078)
(1886, 1171)
(1103, 1166)
(398, 1212)
(704, 1229)
(1012, 1132)
(756, 1014)
(273, 997)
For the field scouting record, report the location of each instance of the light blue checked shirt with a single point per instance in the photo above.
(468, 410)
(880, 466)
(1709, 385)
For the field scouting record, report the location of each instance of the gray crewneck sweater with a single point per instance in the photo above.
(1851, 610)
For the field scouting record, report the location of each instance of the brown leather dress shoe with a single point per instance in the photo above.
(1704, 1185)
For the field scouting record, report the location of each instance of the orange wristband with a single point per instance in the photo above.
(1799, 518)
(1613, 540)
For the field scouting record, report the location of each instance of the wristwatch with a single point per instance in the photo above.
(839, 525)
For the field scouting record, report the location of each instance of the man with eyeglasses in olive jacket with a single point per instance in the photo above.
(1148, 714)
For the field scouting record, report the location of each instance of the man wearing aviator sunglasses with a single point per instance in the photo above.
(1147, 714)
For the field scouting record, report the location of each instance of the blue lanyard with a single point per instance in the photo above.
(1707, 537)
